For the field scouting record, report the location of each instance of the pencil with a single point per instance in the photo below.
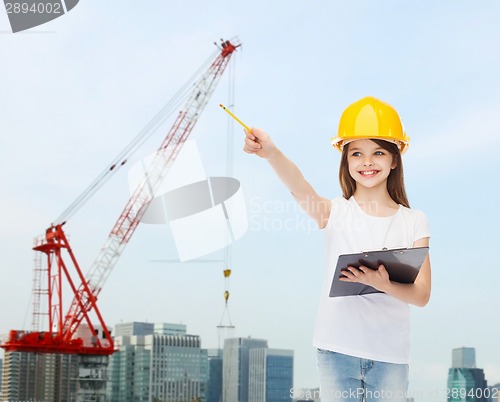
(235, 118)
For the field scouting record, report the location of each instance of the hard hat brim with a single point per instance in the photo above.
(339, 143)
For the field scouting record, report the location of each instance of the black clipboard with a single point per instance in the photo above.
(402, 264)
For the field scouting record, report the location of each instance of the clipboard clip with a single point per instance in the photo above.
(399, 251)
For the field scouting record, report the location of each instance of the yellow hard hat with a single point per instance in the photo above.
(370, 118)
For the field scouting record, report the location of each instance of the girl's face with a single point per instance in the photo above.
(369, 164)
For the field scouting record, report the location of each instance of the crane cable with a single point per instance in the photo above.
(227, 251)
(165, 112)
(229, 172)
(230, 143)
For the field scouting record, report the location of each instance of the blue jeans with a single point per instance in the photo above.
(348, 378)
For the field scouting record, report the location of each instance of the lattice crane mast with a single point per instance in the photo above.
(62, 335)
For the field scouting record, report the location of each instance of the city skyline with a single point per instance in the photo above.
(77, 90)
(463, 359)
(163, 361)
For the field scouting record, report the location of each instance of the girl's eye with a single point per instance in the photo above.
(356, 154)
(379, 153)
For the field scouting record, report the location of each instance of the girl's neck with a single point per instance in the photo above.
(375, 201)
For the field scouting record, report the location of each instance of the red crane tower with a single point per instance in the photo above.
(61, 336)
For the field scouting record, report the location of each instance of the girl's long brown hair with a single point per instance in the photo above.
(395, 181)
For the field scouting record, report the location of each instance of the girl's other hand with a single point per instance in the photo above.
(376, 278)
(259, 143)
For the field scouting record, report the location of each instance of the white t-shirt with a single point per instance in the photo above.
(373, 326)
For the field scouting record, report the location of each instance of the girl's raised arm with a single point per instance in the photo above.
(259, 143)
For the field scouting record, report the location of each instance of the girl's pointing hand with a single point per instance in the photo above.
(259, 143)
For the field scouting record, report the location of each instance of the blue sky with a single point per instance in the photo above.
(76, 90)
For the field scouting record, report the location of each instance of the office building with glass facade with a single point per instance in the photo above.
(465, 381)
(159, 367)
(214, 381)
(252, 372)
(270, 375)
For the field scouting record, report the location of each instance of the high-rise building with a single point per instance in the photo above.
(168, 366)
(465, 381)
(178, 369)
(493, 393)
(148, 328)
(214, 381)
(55, 376)
(270, 375)
(463, 358)
(235, 367)
(1, 371)
(39, 376)
(129, 370)
(169, 329)
(134, 328)
(254, 373)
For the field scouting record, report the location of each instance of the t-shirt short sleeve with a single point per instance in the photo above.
(421, 226)
(338, 206)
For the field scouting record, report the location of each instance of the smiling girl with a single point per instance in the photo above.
(362, 341)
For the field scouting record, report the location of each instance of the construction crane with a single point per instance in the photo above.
(62, 335)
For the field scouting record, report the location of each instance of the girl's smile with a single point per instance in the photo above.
(368, 173)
